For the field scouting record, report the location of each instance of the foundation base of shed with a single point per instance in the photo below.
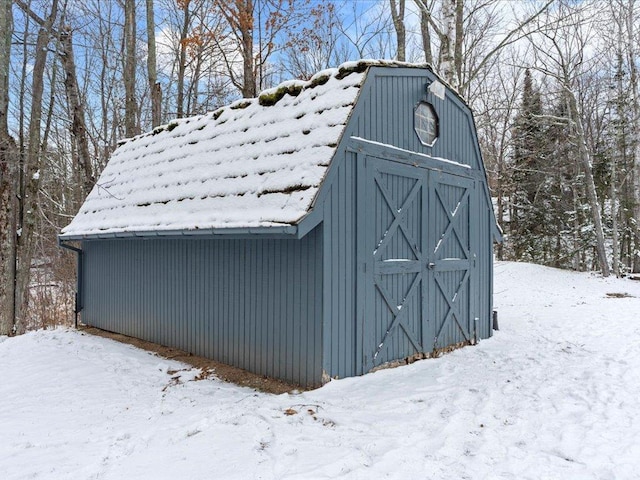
(209, 367)
(423, 356)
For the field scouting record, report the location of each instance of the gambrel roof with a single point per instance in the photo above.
(254, 163)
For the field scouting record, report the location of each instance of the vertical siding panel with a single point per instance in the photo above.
(295, 317)
(220, 308)
(254, 320)
(328, 345)
(270, 285)
(335, 288)
(305, 295)
(253, 325)
(195, 307)
(276, 336)
(224, 341)
(179, 297)
(223, 325)
(244, 334)
(292, 305)
(202, 299)
(340, 278)
(315, 307)
(339, 266)
(174, 306)
(350, 263)
(238, 305)
(284, 327)
(231, 319)
(231, 324)
(319, 304)
(189, 316)
(206, 293)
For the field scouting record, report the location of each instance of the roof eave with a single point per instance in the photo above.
(275, 231)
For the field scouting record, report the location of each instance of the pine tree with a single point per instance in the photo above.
(527, 175)
(547, 213)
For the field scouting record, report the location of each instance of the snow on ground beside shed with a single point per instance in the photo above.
(553, 395)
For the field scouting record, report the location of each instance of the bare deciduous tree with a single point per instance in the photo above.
(397, 15)
(33, 162)
(7, 179)
(132, 125)
(152, 69)
(461, 60)
(559, 50)
(76, 109)
(155, 90)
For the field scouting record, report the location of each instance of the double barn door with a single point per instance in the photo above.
(417, 269)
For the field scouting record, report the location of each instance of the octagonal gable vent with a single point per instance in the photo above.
(426, 123)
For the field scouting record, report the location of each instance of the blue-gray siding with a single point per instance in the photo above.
(340, 332)
(384, 114)
(256, 304)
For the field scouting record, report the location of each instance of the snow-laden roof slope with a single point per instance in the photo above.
(255, 163)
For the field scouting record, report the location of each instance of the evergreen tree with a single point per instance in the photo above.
(548, 216)
(526, 176)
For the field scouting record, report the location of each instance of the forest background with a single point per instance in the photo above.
(553, 85)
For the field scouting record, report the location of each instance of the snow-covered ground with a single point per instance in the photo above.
(553, 395)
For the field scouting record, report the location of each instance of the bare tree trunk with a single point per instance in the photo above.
(194, 87)
(447, 64)
(245, 21)
(6, 29)
(8, 210)
(592, 195)
(615, 240)
(26, 240)
(459, 37)
(131, 107)
(575, 255)
(240, 16)
(76, 108)
(425, 20)
(614, 219)
(635, 109)
(397, 15)
(154, 87)
(7, 179)
(182, 60)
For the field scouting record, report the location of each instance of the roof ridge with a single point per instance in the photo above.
(272, 95)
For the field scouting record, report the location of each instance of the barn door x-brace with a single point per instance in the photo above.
(418, 277)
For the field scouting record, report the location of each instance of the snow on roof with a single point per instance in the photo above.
(254, 163)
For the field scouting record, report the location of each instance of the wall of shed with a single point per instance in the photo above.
(254, 304)
(384, 114)
(340, 272)
(485, 274)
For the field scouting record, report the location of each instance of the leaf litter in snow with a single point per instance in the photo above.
(553, 395)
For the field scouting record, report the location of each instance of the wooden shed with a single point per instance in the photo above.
(322, 230)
